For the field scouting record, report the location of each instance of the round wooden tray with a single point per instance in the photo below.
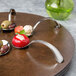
(37, 60)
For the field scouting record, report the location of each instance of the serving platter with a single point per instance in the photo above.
(37, 60)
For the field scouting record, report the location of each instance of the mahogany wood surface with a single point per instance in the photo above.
(37, 59)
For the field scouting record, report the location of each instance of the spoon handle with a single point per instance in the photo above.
(46, 18)
(59, 57)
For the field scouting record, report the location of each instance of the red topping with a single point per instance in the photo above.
(20, 40)
(18, 29)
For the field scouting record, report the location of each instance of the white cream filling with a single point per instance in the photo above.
(20, 37)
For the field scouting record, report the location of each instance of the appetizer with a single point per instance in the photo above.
(20, 40)
(7, 25)
(27, 30)
(10, 23)
(3, 47)
(18, 29)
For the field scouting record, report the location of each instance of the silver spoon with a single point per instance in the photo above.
(8, 29)
(58, 56)
(5, 42)
(11, 17)
(43, 19)
(46, 18)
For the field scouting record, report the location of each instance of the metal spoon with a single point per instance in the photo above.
(5, 42)
(8, 29)
(58, 56)
(46, 18)
(11, 17)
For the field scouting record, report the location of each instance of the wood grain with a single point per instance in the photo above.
(37, 60)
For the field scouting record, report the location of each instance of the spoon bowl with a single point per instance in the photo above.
(8, 29)
(5, 42)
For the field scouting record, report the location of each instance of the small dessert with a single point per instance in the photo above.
(18, 29)
(4, 47)
(20, 40)
(7, 25)
(27, 30)
(10, 23)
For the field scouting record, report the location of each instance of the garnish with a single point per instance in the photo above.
(23, 32)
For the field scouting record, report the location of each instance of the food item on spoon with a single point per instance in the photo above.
(20, 40)
(10, 23)
(28, 29)
(7, 25)
(12, 26)
(3, 47)
(18, 29)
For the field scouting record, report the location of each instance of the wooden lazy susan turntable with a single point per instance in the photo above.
(37, 60)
